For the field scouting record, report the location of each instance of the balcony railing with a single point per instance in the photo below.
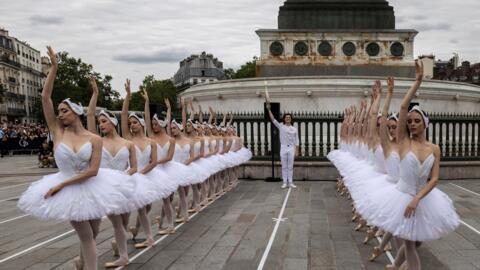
(5, 60)
(458, 135)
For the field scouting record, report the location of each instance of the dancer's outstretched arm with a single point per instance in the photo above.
(372, 125)
(184, 112)
(231, 119)
(192, 110)
(402, 133)
(224, 121)
(146, 109)
(91, 126)
(384, 136)
(200, 114)
(47, 103)
(124, 115)
(210, 118)
(169, 117)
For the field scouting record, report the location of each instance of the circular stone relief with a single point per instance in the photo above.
(373, 49)
(397, 49)
(325, 49)
(276, 48)
(301, 48)
(349, 49)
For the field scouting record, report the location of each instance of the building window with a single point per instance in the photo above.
(203, 73)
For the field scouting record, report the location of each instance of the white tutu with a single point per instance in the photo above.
(165, 185)
(107, 193)
(145, 191)
(200, 173)
(178, 172)
(206, 164)
(434, 217)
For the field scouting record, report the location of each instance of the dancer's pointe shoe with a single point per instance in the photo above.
(370, 236)
(145, 244)
(158, 220)
(375, 253)
(353, 210)
(78, 263)
(191, 210)
(165, 231)
(115, 248)
(354, 217)
(359, 226)
(116, 264)
(134, 231)
(388, 247)
(182, 220)
(390, 267)
(379, 233)
(210, 199)
(349, 197)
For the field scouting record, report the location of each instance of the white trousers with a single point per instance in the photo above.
(287, 156)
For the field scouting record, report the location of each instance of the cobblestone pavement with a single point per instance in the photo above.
(233, 232)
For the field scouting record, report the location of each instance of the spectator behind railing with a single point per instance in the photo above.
(22, 138)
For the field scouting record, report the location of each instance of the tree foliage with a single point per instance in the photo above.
(247, 70)
(72, 82)
(157, 91)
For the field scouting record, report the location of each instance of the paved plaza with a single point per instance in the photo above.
(234, 231)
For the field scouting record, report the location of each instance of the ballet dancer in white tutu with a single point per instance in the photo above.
(81, 192)
(202, 167)
(133, 129)
(409, 207)
(117, 154)
(166, 171)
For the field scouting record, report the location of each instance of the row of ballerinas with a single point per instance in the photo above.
(115, 175)
(389, 170)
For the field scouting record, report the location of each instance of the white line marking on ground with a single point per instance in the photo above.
(23, 184)
(461, 221)
(470, 226)
(387, 253)
(274, 232)
(465, 189)
(8, 199)
(155, 243)
(38, 245)
(160, 239)
(12, 219)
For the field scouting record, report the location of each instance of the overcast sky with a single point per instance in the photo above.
(134, 38)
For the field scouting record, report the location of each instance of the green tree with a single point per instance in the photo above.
(72, 82)
(229, 73)
(157, 91)
(247, 70)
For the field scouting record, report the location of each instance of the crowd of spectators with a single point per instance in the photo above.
(26, 138)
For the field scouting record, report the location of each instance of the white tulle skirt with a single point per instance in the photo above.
(200, 173)
(145, 191)
(165, 185)
(109, 192)
(206, 164)
(245, 153)
(434, 217)
(178, 172)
